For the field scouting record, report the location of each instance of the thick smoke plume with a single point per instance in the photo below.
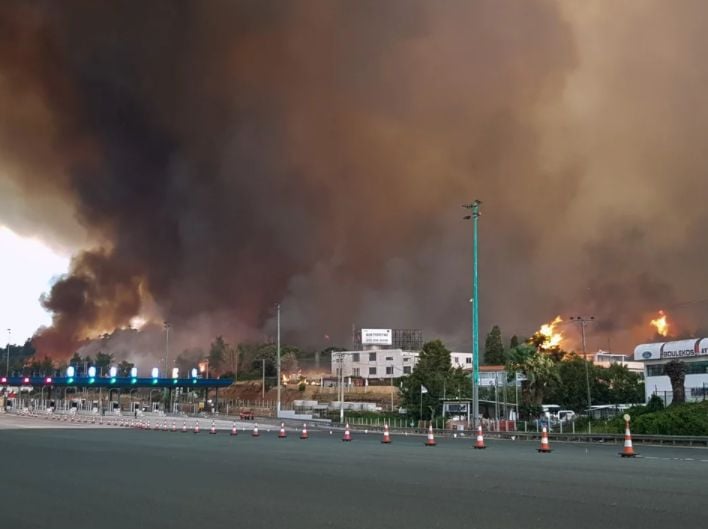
(219, 157)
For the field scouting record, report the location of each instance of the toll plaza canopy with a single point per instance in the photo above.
(117, 382)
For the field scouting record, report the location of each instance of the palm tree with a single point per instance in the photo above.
(538, 368)
(676, 371)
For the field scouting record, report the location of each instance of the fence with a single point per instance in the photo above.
(693, 394)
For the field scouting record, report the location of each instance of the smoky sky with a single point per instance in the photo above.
(207, 160)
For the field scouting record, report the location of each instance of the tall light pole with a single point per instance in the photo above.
(167, 347)
(7, 365)
(582, 321)
(474, 206)
(277, 409)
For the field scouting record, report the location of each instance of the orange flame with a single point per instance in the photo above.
(551, 336)
(661, 324)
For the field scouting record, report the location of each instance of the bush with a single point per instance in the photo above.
(301, 386)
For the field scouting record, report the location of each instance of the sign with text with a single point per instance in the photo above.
(376, 337)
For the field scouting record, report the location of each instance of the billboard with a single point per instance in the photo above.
(376, 337)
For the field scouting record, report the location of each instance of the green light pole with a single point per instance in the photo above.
(474, 206)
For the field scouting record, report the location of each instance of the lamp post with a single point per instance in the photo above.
(166, 324)
(474, 216)
(7, 364)
(582, 321)
(277, 409)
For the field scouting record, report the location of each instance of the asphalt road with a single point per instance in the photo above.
(116, 478)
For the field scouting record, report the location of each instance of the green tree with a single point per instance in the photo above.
(434, 373)
(124, 368)
(540, 371)
(217, 355)
(676, 371)
(494, 347)
(46, 366)
(103, 361)
(514, 342)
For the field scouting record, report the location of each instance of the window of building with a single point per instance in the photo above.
(468, 360)
(406, 370)
(692, 368)
(389, 358)
(355, 372)
(372, 370)
(406, 359)
(372, 357)
(389, 370)
(355, 357)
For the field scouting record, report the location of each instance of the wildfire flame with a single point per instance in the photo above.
(661, 324)
(551, 336)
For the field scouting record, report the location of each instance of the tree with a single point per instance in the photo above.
(494, 347)
(124, 368)
(540, 372)
(514, 342)
(103, 360)
(46, 366)
(676, 371)
(288, 362)
(217, 354)
(434, 373)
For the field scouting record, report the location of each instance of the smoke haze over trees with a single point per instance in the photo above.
(206, 160)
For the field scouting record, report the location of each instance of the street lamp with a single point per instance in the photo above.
(582, 321)
(7, 365)
(277, 410)
(166, 324)
(474, 216)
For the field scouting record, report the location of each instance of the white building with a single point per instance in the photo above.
(693, 352)
(376, 363)
(605, 359)
(461, 360)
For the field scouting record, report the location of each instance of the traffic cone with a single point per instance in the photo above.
(386, 437)
(628, 450)
(148, 425)
(545, 447)
(347, 434)
(479, 443)
(255, 433)
(282, 434)
(304, 434)
(164, 426)
(184, 426)
(212, 430)
(233, 429)
(174, 426)
(431, 438)
(196, 427)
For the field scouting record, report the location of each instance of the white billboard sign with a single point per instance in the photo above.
(376, 337)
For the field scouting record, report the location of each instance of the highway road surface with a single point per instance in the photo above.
(90, 477)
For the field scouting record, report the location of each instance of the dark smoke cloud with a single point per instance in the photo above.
(225, 156)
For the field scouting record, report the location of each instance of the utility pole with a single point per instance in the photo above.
(582, 321)
(277, 409)
(474, 206)
(263, 380)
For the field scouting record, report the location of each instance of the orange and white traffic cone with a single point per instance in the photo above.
(234, 431)
(281, 433)
(304, 434)
(479, 443)
(184, 426)
(164, 426)
(212, 430)
(431, 438)
(196, 427)
(174, 426)
(386, 437)
(545, 448)
(347, 434)
(255, 432)
(628, 450)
